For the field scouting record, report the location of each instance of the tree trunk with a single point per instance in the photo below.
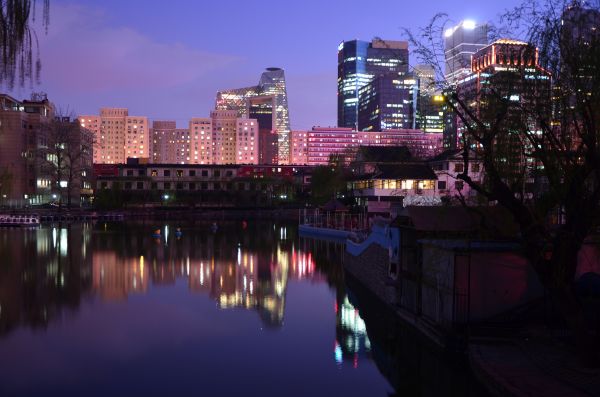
(563, 265)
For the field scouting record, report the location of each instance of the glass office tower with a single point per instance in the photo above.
(271, 84)
(358, 62)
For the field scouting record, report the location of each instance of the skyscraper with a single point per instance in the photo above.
(388, 102)
(358, 62)
(429, 110)
(506, 75)
(272, 92)
(460, 43)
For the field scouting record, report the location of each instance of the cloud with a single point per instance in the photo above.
(83, 52)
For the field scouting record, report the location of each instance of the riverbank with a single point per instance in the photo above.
(520, 363)
(164, 213)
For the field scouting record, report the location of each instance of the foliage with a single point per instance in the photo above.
(541, 153)
(327, 183)
(18, 41)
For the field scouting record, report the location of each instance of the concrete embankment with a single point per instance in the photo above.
(370, 268)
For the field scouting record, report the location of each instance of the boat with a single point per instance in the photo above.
(156, 234)
(19, 220)
(178, 233)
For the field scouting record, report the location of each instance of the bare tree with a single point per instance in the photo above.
(546, 140)
(66, 156)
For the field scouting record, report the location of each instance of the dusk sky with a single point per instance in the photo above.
(166, 60)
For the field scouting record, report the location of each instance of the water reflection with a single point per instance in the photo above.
(40, 277)
(237, 269)
(105, 274)
(352, 341)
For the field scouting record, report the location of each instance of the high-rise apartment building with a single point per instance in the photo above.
(358, 62)
(269, 97)
(234, 139)
(169, 144)
(201, 141)
(460, 43)
(118, 136)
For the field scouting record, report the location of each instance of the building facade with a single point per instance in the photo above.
(460, 43)
(42, 159)
(201, 141)
(169, 144)
(118, 136)
(315, 147)
(388, 101)
(266, 100)
(358, 62)
(505, 75)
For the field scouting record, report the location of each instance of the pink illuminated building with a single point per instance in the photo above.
(316, 146)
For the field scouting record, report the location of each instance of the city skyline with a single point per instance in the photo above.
(154, 63)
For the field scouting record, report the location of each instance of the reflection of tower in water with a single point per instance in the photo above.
(352, 342)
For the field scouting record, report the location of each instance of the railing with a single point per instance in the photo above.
(333, 220)
(378, 236)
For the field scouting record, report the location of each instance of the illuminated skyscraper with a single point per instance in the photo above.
(358, 62)
(505, 75)
(460, 43)
(270, 92)
(388, 102)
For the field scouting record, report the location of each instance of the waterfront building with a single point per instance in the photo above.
(460, 43)
(202, 184)
(393, 185)
(315, 147)
(169, 144)
(358, 62)
(269, 97)
(117, 135)
(34, 144)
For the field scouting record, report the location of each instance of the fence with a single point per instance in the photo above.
(333, 220)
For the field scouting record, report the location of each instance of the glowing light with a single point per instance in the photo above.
(468, 24)
(338, 353)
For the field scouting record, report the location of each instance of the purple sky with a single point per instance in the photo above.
(166, 60)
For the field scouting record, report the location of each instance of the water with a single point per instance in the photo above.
(110, 309)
